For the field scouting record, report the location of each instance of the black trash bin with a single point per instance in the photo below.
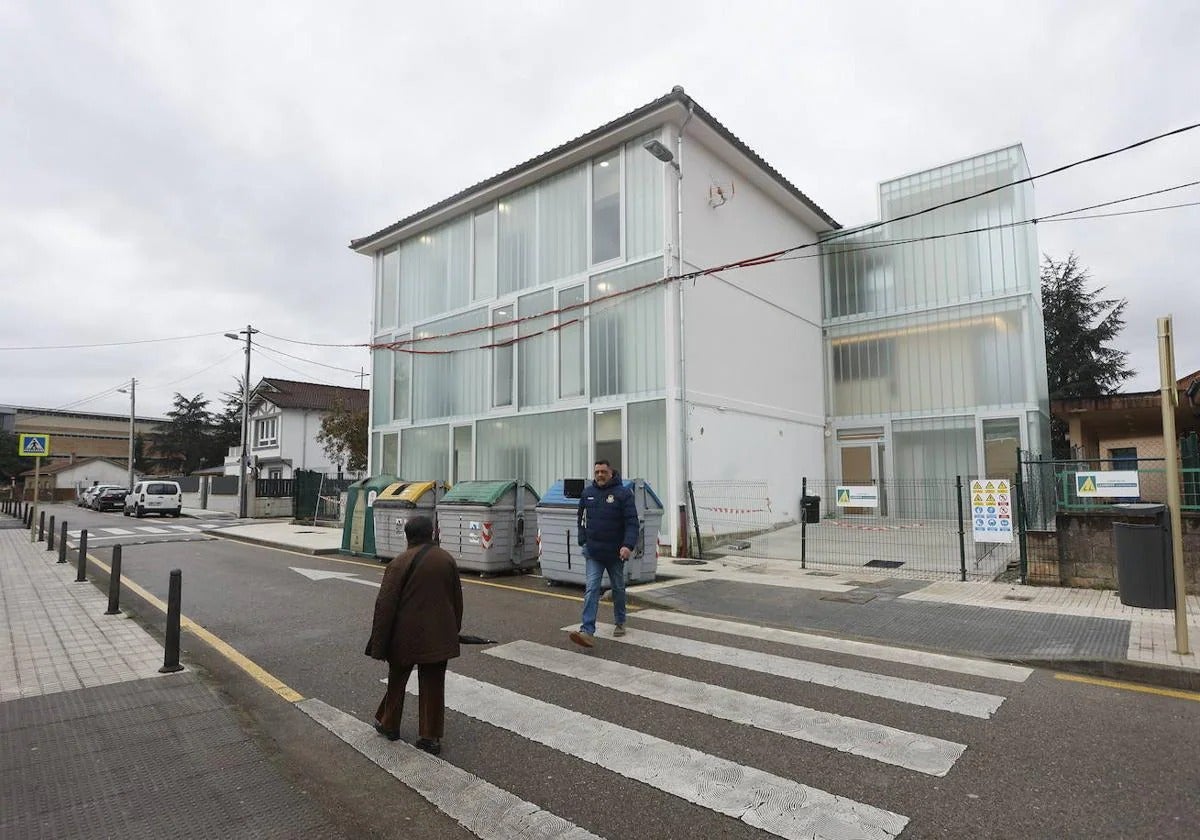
(1145, 574)
(812, 509)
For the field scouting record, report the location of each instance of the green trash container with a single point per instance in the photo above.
(358, 529)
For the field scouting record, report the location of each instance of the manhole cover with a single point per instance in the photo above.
(855, 597)
(885, 564)
(689, 562)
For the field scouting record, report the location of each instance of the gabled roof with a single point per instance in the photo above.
(286, 393)
(675, 97)
(55, 466)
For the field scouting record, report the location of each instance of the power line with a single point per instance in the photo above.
(219, 361)
(86, 400)
(112, 343)
(307, 361)
(259, 349)
(311, 343)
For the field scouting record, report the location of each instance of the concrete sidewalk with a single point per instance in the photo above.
(95, 742)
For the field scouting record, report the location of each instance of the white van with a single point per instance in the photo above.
(153, 496)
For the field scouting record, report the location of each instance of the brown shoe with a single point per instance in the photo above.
(582, 638)
(429, 745)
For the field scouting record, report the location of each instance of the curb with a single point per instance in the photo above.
(1146, 673)
(316, 552)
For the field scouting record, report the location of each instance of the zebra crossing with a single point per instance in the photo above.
(138, 533)
(777, 805)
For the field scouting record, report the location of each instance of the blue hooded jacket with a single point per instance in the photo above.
(607, 518)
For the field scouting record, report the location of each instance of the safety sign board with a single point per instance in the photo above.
(858, 496)
(33, 446)
(1109, 484)
(991, 510)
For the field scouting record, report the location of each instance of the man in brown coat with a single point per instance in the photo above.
(418, 616)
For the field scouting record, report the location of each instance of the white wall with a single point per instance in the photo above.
(84, 475)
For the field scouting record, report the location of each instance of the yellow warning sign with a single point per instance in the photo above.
(843, 497)
(990, 486)
(991, 499)
(1088, 485)
(978, 499)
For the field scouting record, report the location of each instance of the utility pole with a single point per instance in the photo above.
(132, 404)
(245, 457)
(1170, 399)
(362, 375)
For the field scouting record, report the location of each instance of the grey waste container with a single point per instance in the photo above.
(1145, 575)
(490, 526)
(812, 509)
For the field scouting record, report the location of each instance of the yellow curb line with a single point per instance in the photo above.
(1127, 686)
(255, 671)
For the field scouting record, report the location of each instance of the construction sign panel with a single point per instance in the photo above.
(1121, 484)
(33, 446)
(991, 510)
(866, 497)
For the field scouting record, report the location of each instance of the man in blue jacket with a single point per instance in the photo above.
(608, 532)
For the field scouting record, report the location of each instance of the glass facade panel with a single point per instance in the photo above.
(502, 357)
(535, 353)
(388, 288)
(625, 335)
(570, 343)
(643, 200)
(435, 271)
(485, 254)
(388, 460)
(606, 207)
(562, 225)
(381, 376)
(1001, 439)
(447, 384)
(425, 454)
(648, 443)
(376, 452)
(517, 241)
(539, 448)
(401, 380)
(935, 449)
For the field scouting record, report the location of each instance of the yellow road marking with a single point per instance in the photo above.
(255, 671)
(1128, 686)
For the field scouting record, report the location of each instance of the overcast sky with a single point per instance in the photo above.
(171, 169)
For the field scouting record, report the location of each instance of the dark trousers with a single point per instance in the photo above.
(431, 698)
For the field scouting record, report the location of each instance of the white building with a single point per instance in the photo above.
(712, 379)
(284, 420)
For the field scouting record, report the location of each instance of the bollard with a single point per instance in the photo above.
(50, 535)
(41, 525)
(62, 544)
(114, 582)
(171, 652)
(81, 572)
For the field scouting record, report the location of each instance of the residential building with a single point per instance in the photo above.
(935, 345)
(66, 479)
(284, 420)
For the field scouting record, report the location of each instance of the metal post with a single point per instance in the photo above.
(245, 427)
(803, 521)
(62, 544)
(1170, 399)
(1021, 519)
(695, 522)
(962, 535)
(114, 582)
(50, 535)
(41, 531)
(81, 568)
(171, 652)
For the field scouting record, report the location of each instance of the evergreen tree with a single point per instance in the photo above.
(343, 436)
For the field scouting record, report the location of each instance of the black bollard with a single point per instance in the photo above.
(50, 536)
(171, 652)
(62, 544)
(41, 525)
(81, 571)
(114, 582)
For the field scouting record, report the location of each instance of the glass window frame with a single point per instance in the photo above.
(619, 154)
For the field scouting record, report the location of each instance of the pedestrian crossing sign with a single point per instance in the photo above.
(33, 446)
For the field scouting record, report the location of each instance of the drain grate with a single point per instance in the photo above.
(885, 564)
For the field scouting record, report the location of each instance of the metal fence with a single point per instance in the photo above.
(727, 510)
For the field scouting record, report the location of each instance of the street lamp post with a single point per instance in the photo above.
(248, 332)
(132, 403)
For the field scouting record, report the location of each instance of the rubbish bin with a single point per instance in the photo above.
(395, 505)
(558, 547)
(1145, 574)
(490, 526)
(812, 509)
(358, 530)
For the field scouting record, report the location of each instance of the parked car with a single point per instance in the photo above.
(88, 497)
(84, 499)
(109, 498)
(154, 496)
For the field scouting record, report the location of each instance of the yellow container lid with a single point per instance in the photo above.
(414, 491)
(393, 491)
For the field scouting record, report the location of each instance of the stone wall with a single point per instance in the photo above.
(1081, 552)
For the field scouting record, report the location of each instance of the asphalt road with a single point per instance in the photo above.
(1057, 758)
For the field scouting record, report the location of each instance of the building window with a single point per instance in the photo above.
(502, 357)
(606, 208)
(485, 255)
(570, 343)
(870, 359)
(266, 432)
(1123, 458)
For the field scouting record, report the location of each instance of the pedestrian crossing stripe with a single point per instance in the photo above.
(760, 799)
(886, 744)
(930, 695)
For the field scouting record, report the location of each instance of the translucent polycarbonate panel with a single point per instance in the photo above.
(1001, 440)
(458, 263)
(425, 453)
(969, 250)
(562, 225)
(388, 288)
(933, 449)
(376, 452)
(570, 341)
(625, 333)
(647, 424)
(539, 448)
(435, 271)
(606, 207)
(381, 377)
(958, 358)
(450, 371)
(644, 177)
(485, 254)
(388, 458)
(503, 351)
(517, 241)
(401, 382)
(535, 349)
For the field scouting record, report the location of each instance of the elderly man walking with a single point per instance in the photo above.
(608, 531)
